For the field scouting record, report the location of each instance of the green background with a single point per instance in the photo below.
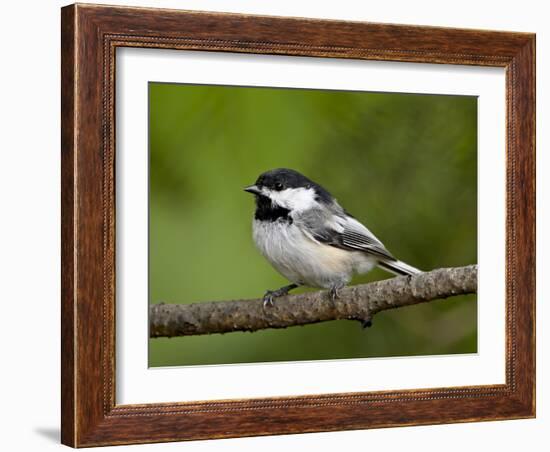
(403, 164)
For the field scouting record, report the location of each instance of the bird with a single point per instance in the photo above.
(304, 233)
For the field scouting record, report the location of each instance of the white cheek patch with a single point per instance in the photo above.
(295, 199)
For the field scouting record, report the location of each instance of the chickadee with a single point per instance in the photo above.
(309, 238)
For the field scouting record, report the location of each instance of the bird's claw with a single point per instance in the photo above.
(270, 295)
(268, 298)
(366, 323)
(334, 293)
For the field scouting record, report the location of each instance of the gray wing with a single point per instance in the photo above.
(339, 229)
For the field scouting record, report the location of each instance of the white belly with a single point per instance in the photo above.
(303, 260)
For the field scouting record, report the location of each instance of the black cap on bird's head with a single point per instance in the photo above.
(280, 179)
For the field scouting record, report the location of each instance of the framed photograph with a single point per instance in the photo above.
(281, 225)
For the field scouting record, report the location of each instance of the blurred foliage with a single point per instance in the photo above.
(404, 164)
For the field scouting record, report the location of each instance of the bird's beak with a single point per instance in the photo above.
(253, 189)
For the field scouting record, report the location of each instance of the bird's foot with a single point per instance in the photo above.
(366, 323)
(270, 295)
(268, 298)
(334, 293)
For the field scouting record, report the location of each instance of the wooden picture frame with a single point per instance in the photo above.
(90, 36)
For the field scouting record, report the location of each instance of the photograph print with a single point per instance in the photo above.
(271, 209)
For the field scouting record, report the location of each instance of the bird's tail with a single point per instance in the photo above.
(398, 267)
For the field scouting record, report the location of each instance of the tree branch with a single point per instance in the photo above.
(359, 302)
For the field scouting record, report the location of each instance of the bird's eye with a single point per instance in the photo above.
(278, 186)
